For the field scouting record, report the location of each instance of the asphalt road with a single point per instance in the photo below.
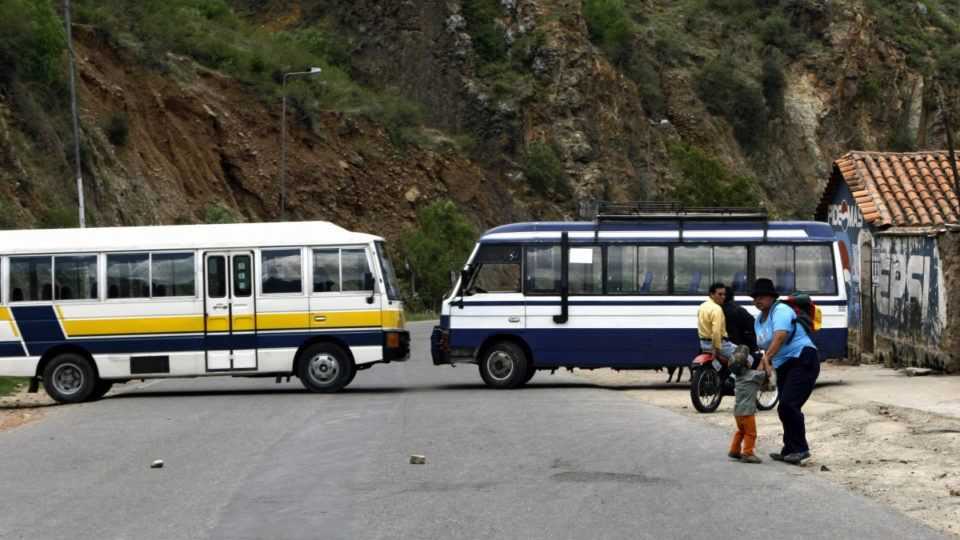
(247, 458)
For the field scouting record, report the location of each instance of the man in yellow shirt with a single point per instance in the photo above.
(711, 324)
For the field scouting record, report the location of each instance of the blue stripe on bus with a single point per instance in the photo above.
(10, 349)
(41, 331)
(619, 347)
(38, 325)
(574, 302)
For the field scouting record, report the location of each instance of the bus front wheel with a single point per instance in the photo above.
(69, 378)
(504, 365)
(325, 367)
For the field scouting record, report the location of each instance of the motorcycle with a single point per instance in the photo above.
(711, 379)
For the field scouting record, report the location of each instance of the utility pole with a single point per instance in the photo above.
(948, 125)
(73, 107)
(283, 139)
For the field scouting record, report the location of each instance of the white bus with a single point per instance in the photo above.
(623, 291)
(81, 309)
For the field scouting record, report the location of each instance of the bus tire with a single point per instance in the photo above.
(531, 371)
(504, 365)
(69, 378)
(325, 368)
(101, 389)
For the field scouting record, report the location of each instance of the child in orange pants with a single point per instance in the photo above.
(745, 409)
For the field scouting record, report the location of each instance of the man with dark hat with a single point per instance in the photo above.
(789, 350)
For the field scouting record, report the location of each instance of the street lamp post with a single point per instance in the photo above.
(73, 107)
(283, 138)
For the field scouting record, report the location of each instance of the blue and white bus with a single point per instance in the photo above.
(623, 291)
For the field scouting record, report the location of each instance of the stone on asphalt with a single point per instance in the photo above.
(824, 468)
(157, 464)
(918, 372)
(417, 459)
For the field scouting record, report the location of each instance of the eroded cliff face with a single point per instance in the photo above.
(200, 139)
(851, 88)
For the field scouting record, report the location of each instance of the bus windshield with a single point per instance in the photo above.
(389, 276)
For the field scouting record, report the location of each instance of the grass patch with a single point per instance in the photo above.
(9, 384)
(414, 316)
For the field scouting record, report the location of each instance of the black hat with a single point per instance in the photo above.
(764, 287)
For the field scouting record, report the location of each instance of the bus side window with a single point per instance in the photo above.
(76, 277)
(353, 268)
(692, 269)
(128, 275)
(30, 279)
(776, 262)
(326, 270)
(543, 272)
(281, 271)
(498, 270)
(815, 273)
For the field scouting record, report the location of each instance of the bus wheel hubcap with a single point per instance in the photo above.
(68, 379)
(500, 365)
(324, 368)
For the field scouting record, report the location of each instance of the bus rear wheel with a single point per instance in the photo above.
(69, 378)
(504, 365)
(325, 368)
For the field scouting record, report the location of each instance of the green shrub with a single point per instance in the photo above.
(438, 245)
(32, 41)
(219, 213)
(774, 84)
(118, 129)
(610, 28)
(489, 39)
(948, 67)
(777, 31)
(8, 215)
(544, 170)
(59, 218)
(727, 93)
(706, 182)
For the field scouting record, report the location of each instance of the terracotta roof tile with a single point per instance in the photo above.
(891, 189)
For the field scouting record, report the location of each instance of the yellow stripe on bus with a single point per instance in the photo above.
(265, 321)
(282, 321)
(345, 319)
(6, 316)
(394, 319)
(143, 325)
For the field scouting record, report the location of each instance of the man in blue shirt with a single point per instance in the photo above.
(789, 350)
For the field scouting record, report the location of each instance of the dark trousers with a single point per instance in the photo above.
(795, 380)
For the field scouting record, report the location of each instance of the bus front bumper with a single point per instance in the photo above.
(440, 346)
(396, 345)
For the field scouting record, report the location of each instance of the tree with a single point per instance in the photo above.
(441, 242)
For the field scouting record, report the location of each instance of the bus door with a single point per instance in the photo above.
(230, 311)
(492, 300)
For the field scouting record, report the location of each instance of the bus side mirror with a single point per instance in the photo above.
(369, 285)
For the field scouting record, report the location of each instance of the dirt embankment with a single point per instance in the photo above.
(874, 430)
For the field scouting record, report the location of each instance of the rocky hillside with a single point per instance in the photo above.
(514, 109)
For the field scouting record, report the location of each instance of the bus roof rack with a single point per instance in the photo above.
(653, 210)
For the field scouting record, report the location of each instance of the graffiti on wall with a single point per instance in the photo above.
(906, 279)
(847, 222)
(907, 288)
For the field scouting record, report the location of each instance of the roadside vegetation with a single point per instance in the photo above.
(439, 244)
(10, 384)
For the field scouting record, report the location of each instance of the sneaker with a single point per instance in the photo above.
(796, 458)
(750, 458)
(776, 456)
(734, 455)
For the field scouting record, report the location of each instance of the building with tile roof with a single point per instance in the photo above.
(897, 217)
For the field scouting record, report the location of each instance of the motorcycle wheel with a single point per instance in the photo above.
(768, 399)
(706, 389)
